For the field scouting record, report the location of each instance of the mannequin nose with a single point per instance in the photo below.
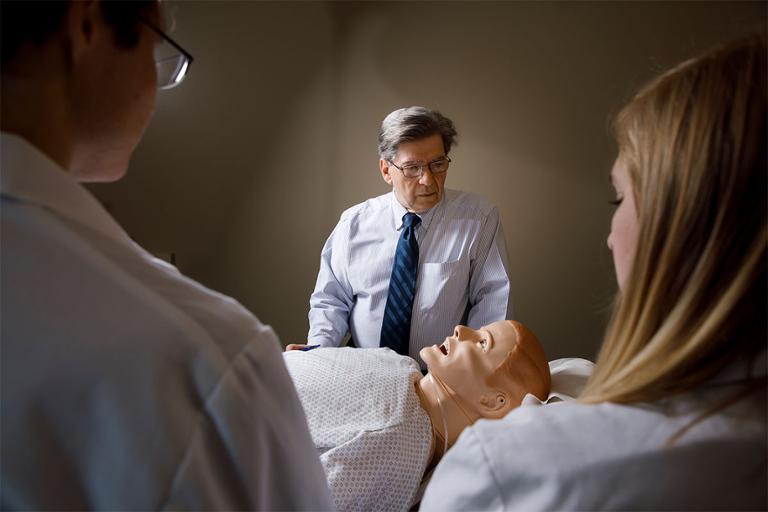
(462, 332)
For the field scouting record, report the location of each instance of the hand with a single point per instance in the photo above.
(294, 346)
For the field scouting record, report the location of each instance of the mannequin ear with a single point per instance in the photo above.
(385, 174)
(494, 403)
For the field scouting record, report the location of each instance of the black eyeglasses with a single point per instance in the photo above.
(171, 60)
(416, 170)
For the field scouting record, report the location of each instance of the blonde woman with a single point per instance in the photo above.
(674, 415)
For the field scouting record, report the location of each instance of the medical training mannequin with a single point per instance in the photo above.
(480, 374)
(380, 425)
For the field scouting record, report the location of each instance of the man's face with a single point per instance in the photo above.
(113, 99)
(416, 194)
(465, 361)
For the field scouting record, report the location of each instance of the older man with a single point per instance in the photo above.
(402, 269)
(125, 385)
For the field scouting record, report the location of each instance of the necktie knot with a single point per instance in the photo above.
(410, 220)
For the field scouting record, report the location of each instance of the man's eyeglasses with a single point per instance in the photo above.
(171, 60)
(413, 171)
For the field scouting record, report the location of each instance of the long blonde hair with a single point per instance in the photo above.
(694, 143)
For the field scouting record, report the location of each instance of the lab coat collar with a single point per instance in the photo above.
(27, 174)
(399, 211)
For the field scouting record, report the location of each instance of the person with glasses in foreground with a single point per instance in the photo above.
(125, 385)
(402, 269)
(674, 414)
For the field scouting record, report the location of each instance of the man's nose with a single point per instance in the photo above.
(426, 177)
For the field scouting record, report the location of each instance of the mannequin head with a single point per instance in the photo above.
(483, 373)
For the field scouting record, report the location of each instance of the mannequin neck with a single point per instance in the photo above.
(444, 410)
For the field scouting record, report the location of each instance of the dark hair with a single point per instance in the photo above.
(413, 123)
(24, 21)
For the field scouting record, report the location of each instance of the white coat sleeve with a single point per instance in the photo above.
(463, 480)
(331, 303)
(251, 449)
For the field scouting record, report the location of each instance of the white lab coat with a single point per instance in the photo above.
(125, 385)
(572, 456)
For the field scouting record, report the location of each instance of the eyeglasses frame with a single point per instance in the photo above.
(161, 33)
(421, 168)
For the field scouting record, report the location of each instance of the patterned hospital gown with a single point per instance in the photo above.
(367, 424)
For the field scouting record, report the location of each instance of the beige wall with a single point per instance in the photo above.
(248, 164)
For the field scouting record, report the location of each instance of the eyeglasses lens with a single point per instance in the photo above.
(439, 167)
(412, 171)
(171, 66)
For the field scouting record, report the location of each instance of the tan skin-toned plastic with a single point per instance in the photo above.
(482, 373)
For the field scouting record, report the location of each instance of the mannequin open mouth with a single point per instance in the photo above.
(444, 349)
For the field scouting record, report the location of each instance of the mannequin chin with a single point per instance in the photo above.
(480, 373)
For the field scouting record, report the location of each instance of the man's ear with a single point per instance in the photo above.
(84, 22)
(385, 171)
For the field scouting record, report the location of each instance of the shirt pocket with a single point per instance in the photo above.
(443, 285)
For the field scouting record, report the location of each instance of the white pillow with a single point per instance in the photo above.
(569, 376)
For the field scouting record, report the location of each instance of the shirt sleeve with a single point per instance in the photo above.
(331, 303)
(251, 449)
(463, 480)
(489, 289)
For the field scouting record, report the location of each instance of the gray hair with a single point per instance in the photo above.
(413, 123)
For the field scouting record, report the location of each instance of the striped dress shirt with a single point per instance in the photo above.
(462, 278)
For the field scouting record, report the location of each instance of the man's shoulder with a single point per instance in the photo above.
(367, 208)
(462, 202)
(175, 311)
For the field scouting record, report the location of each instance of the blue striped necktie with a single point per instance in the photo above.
(396, 325)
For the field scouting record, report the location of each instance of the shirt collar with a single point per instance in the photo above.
(27, 174)
(399, 211)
